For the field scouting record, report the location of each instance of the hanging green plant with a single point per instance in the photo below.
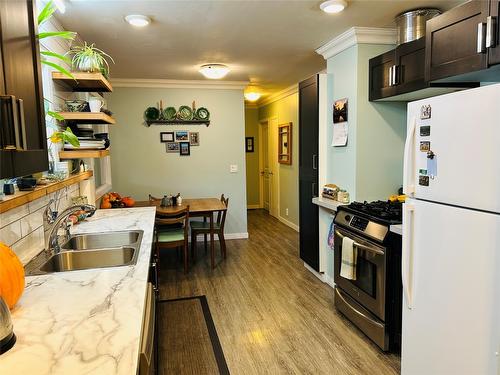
(88, 58)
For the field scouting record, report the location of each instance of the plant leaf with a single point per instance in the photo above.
(46, 12)
(68, 136)
(56, 55)
(55, 115)
(56, 137)
(70, 35)
(58, 68)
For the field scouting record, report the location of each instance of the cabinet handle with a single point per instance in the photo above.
(20, 106)
(314, 188)
(390, 76)
(395, 75)
(12, 121)
(315, 161)
(491, 38)
(481, 36)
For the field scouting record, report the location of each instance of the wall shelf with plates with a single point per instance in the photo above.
(178, 122)
(95, 118)
(83, 82)
(82, 154)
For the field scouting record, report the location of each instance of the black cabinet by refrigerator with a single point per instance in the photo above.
(23, 143)
(308, 170)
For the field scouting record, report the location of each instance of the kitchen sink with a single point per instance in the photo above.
(83, 260)
(89, 251)
(102, 240)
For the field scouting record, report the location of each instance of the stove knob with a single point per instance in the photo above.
(348, 217)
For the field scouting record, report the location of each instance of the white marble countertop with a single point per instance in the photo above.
(84, 322)
(329, 204)
(397, 229)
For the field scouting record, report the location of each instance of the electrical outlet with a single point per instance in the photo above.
(233, 168)
(286, 211)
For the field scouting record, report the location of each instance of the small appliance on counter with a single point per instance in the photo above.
(7, 337)
(26, 183)
(372, 297)
(332, 191)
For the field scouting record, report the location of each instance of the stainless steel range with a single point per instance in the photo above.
(373, 300)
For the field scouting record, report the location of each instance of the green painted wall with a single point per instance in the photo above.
(141, 165)
(252, 158)
(286, 110)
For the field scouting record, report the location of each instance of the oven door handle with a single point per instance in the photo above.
(362, 247)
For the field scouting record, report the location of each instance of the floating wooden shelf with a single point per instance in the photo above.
(84, 82)
(22, 197)
(97, 118)
(178, 122)
(82, 154)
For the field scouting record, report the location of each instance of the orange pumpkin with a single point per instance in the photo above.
(11, 276)
(105, 203)
(128, 201)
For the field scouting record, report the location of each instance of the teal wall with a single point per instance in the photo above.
(140, 164)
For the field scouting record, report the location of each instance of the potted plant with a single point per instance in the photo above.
(88, 58)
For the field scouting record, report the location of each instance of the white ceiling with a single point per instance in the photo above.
(270, 43)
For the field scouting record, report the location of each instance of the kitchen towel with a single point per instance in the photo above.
(349, 258)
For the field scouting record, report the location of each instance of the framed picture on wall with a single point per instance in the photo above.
(167, 137)
(285, 143)
(182, 136)
(185, 149)
(172, 147)
(194, 138)
(340, 111)
(249, 144)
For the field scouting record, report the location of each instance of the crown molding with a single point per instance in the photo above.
(251, 105)
(179, 84)
(357, 35)
(279, 95)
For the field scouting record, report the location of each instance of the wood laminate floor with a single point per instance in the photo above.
(271, 314)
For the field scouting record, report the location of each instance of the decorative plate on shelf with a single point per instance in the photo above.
(152, 113)
(185, 113)
(169, 113)
(202, 113)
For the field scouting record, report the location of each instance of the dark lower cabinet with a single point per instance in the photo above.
(308, 171)
(23, 143)
(463, 40)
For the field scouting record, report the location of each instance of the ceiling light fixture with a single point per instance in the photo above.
(333, 6)
(214, 71)
(138, 20)
(252, 96)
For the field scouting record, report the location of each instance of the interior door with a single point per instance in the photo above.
(273, 172)
(265, 164)
(452, 284)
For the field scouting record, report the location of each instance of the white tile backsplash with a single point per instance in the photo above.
(22, 227)
(11, 233)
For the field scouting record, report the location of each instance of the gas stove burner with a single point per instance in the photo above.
(382, 210)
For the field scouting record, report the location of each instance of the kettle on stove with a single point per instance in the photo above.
(7, 337)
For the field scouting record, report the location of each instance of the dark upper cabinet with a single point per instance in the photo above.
(381, 76)
(23, 144)
(308, 171)
(493, 24)
(462, 41)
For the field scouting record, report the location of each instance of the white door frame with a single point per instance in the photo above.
(274, 204)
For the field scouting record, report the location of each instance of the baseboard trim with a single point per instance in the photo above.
(322, 276)
(253, 206)
(227, 236)
(295, 227)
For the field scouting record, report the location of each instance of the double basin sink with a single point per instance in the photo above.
(89, 251)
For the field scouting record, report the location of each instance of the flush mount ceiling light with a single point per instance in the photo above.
(252, 96)
(138, 20)
(333, 6)
(214, 71)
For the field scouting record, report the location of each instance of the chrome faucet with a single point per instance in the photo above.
(55, 222)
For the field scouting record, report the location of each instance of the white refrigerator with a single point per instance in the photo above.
(451, 235)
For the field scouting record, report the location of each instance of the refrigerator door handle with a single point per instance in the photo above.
(481, 37)
(491, 27)
(409, 173)
(407, 254)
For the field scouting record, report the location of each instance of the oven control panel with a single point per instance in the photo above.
(362, 225)
(359, 223)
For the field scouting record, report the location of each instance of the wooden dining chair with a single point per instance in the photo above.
(203, 227)
(172, 232)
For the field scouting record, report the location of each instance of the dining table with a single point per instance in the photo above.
(198, 207)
